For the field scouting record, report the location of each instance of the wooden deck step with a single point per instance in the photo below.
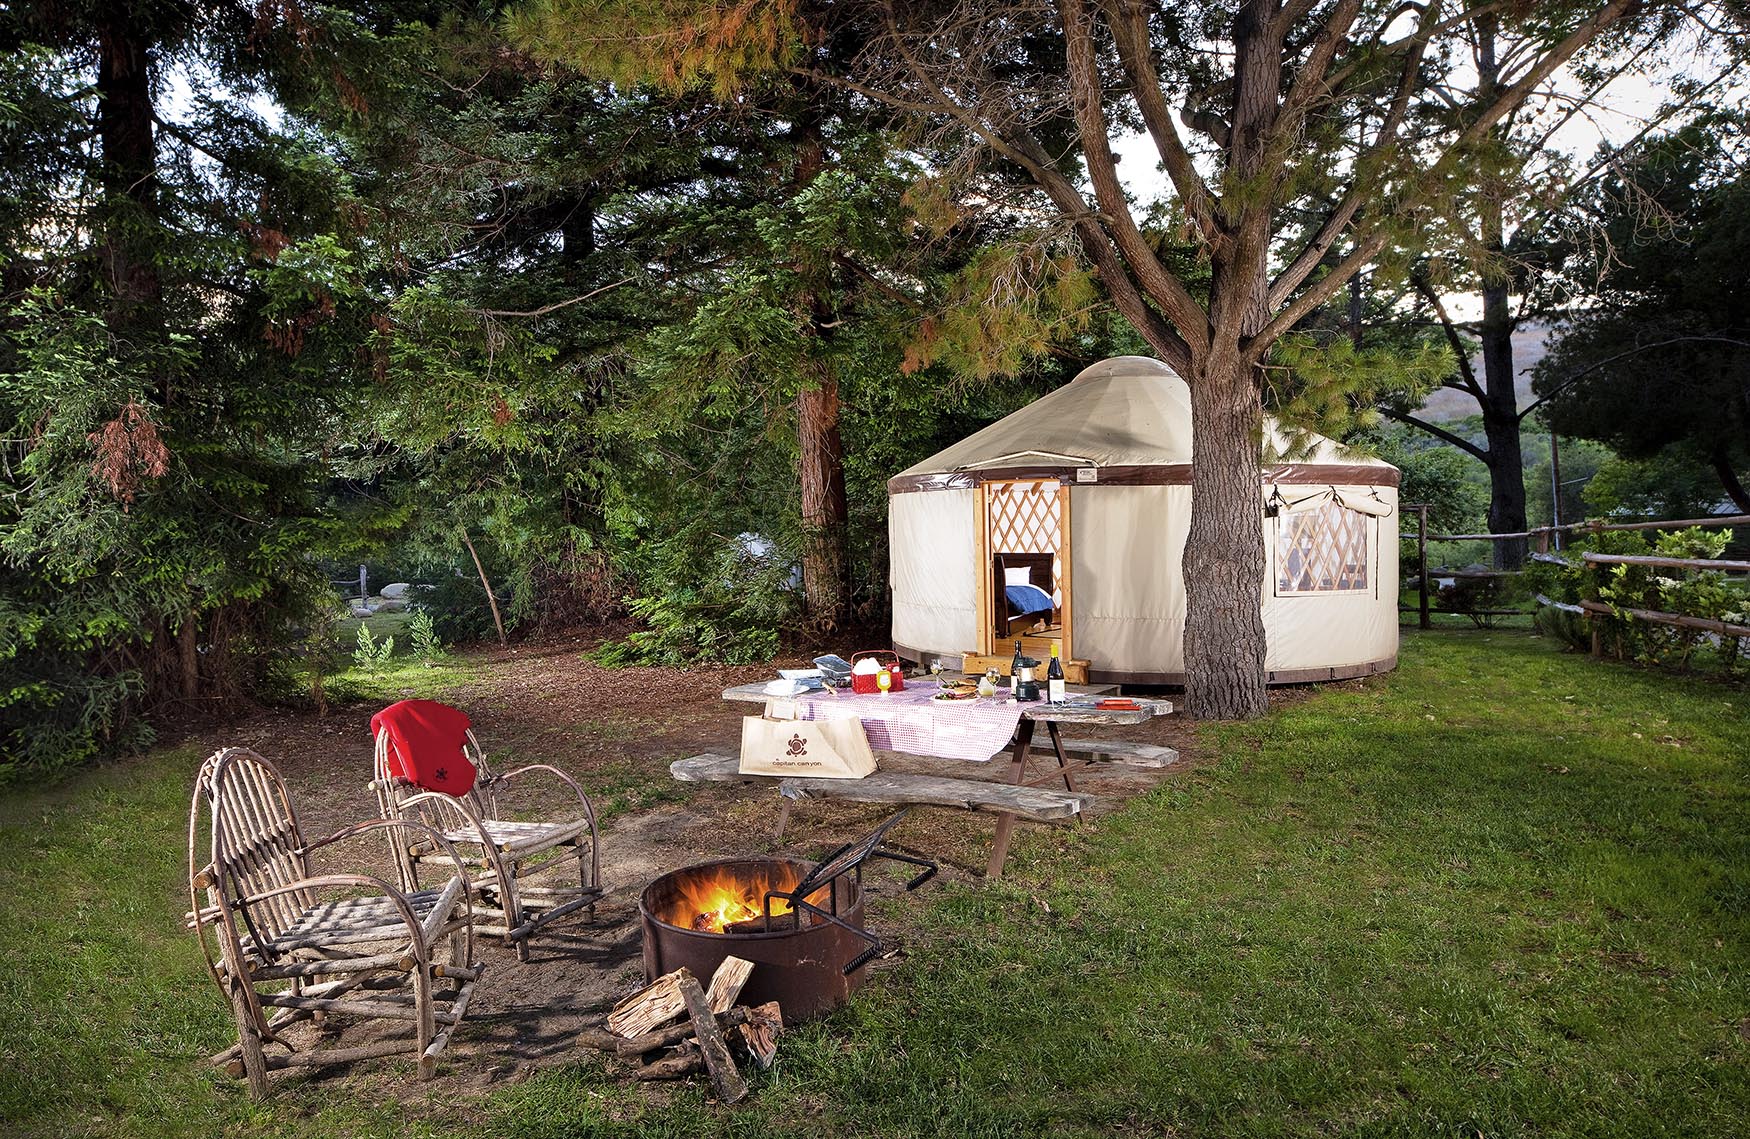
(1118, 751)
(898, 787)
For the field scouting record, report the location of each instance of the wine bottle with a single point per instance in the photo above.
(1015, 667)
(1054, 693)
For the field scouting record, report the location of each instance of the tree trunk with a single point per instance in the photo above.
(821, 472)
(130, 161)
(1506, 460)
(1223, 566)
(188, 656)
(825, 516)
(1722, 465)
(1224, 553)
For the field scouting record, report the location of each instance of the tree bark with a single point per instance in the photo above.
(1224, 552)
(1506, 459)
(825, 514)
(130, 161)
(1722, 465)
(821, 465)
(1500, 404)
(188, 656)
(1223, 564)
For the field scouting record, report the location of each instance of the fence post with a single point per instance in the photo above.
(363, 591)
(1422, 564)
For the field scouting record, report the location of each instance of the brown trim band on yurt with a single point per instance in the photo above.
(1161, 474)
(1177, 679)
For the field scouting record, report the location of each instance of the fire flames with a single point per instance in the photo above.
(711, 899)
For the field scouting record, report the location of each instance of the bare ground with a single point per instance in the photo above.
(616, 731)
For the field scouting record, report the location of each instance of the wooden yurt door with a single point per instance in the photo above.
(1023, 530)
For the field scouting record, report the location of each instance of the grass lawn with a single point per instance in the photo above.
(1502, 891)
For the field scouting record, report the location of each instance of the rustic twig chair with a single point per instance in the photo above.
(523, 869)
(285, 944)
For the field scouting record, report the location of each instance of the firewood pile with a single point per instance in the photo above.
(711, 1029)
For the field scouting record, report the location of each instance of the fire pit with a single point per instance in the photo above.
(800, 924)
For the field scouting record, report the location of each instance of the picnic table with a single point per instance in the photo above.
(913, 723)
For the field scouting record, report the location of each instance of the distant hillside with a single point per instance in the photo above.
(1528, 349)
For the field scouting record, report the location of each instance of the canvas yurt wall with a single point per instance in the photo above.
(1109, 455)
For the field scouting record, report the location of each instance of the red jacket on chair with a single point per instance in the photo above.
(426, 745)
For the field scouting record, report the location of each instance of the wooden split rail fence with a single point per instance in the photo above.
(1593, 609)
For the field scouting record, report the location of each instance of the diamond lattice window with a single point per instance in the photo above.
(1321, 551)
(1024, 518)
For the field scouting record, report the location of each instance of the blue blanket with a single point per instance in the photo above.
(1025, 599)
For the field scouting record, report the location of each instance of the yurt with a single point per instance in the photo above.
(1065, 523)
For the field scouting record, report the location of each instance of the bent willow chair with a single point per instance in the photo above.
(524, 870)
(286, 944)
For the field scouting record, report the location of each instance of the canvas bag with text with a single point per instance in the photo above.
(820, 749)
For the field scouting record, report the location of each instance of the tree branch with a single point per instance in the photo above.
(1458, 441)
(1423, 185)
(1465, 370)
(1129, 22)
(1576, 377)
(1302, 266)
(555, 306)
(1085, 88)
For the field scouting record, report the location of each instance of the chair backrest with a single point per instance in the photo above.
(392, 789)
(255, 845)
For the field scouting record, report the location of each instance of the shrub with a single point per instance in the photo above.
(734, 612)
(428, 647)
(372, 656)
(1691, 593)
(459, 611)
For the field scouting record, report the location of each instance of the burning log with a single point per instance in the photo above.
(725, 1077)
(781, 923)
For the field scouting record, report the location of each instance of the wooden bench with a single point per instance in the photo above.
(1122, 752)
(1036, 804)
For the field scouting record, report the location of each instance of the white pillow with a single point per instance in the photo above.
(1022, 576)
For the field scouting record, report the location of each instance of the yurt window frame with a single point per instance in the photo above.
(1061, 571)
(1289, 523)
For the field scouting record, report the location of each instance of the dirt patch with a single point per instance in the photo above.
(616, 731)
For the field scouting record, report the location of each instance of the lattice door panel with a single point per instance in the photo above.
(1026, 518)
(1321, 551)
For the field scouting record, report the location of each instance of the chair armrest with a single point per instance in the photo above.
(379, 824)
(403, 908)
(576, 789)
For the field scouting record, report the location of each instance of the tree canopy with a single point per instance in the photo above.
(1660, 356)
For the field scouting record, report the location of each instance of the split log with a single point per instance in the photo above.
(731, 1088)
(650, 1007)
(670, 1036)
(760, 1033)
(685, 1061)
(726, 983)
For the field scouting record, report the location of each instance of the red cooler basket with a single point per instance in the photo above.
(864, 682)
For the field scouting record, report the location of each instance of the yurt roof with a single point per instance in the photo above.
(1126, 412)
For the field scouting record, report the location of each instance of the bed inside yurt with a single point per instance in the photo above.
(1065, 524)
